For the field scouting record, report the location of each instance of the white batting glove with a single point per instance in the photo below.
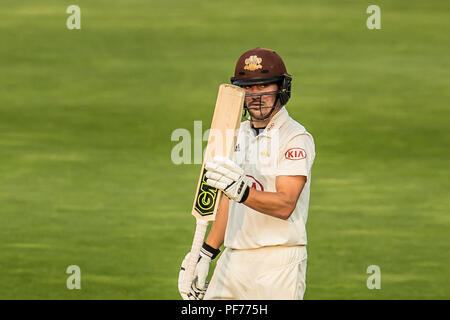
(224, 174)
(201, 272)
(199, 284)
(195, 292)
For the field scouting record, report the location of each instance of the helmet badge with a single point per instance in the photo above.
(253, 63)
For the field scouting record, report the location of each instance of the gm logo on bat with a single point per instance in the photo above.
(295, 154)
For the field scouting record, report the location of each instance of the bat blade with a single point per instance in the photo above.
(221, 142)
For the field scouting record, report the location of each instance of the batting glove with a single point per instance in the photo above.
(199, 284)
(195, 292)
(224, 174)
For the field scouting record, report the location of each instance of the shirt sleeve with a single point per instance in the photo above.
(297, 156)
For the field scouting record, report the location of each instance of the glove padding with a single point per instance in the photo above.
(199, 283)
(224, 174)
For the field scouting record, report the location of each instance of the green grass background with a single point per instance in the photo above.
(86, 118)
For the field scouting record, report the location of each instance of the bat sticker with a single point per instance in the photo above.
(206, 199)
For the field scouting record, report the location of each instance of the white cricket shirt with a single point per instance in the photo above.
(284, 148)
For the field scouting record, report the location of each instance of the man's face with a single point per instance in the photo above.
(254, 102)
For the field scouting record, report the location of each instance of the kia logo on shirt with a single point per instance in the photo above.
(295, 154)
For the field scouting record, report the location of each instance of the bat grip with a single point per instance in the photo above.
(200, 231)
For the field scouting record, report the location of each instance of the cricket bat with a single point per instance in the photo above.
(221, 142)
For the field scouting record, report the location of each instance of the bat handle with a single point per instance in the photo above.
(200, 231)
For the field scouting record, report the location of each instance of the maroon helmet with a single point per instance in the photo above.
(260, 65)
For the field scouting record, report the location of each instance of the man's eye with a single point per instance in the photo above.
(262, 86)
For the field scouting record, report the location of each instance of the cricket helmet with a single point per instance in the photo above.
(259, 66)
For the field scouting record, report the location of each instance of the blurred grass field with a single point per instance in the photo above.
(86, 118)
